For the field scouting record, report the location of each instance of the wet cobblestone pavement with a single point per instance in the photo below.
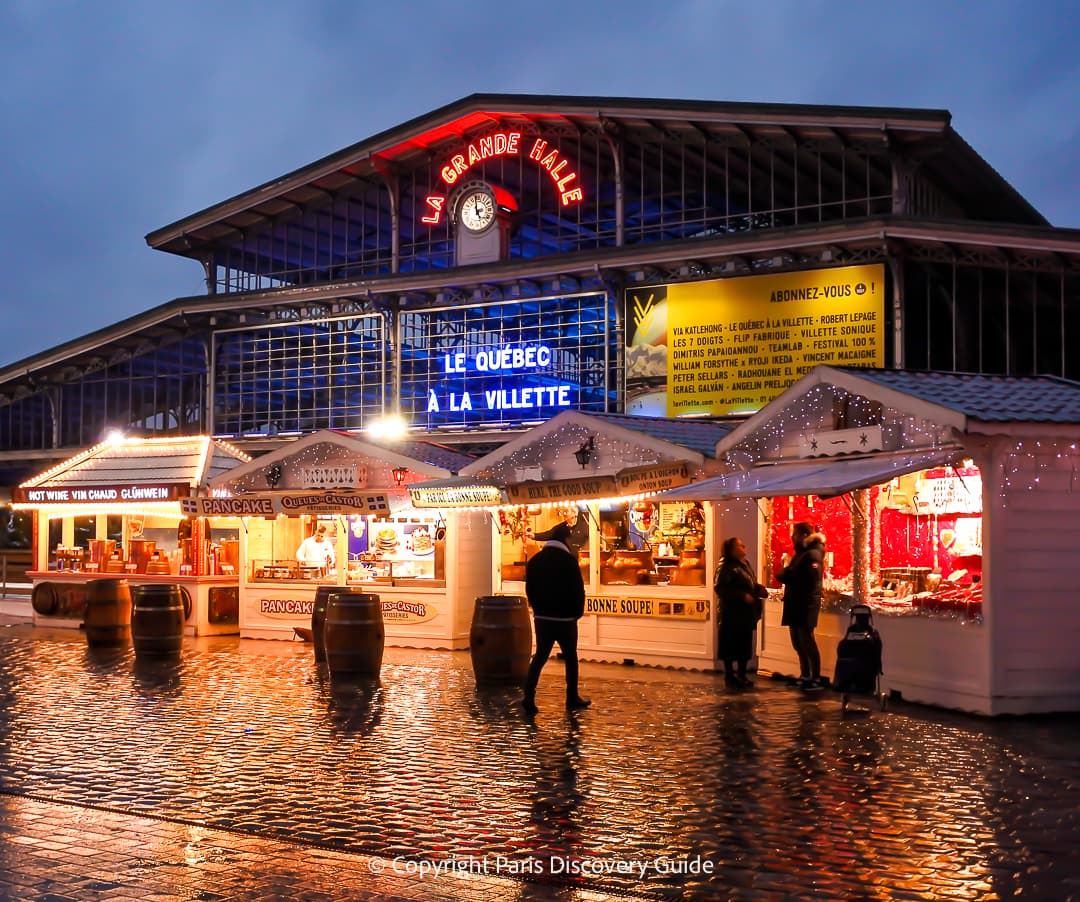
(241, 772)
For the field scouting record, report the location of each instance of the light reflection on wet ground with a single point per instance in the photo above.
(754, 795)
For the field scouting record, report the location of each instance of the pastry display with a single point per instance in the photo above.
(422, 542)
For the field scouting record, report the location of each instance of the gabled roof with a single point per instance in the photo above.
(699, 435)
(192, 461)
(986, 398)
(428, 459)
(960, 402)
(660, 439)
(926, 134)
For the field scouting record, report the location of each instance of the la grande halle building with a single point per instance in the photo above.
(486, 266)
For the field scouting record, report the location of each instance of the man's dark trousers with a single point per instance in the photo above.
(548, 633)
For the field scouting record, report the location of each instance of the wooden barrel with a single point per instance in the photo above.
(318, 616)
(108, 612)
(500, 640)
(353, 634)
(44, 599)
(157, 619)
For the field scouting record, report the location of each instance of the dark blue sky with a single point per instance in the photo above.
(120, 116)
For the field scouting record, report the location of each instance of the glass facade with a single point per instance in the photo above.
(377, 315)
(299, 377)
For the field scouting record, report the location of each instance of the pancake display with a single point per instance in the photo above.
(386, 540)
(422, 542)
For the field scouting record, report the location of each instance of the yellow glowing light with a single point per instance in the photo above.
(389, 427)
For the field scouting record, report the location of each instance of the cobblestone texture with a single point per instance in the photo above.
(242, 772)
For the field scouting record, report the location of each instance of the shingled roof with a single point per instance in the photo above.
(991, 399)
(698, 435)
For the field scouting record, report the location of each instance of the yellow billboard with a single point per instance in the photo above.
(729, 346)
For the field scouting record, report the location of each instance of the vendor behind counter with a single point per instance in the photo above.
(316, 550)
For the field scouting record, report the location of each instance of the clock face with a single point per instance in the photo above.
(477, 210)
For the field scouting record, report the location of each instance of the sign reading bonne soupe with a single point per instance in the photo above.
(689, 609)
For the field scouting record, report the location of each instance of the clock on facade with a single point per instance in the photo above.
(476, 209)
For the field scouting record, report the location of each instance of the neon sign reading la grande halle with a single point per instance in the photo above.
(505, 144)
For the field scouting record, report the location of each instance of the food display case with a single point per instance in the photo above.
(402, 552)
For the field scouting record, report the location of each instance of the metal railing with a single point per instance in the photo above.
(13, 566)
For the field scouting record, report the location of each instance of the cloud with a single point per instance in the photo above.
(120, 123)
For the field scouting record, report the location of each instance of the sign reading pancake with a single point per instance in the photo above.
(239, 506)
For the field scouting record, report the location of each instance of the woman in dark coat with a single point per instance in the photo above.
(740, 597)
(802, 600)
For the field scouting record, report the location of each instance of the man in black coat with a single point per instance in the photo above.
(802, 600)
(556, 593)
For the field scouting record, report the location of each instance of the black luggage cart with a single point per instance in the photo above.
(858, 660)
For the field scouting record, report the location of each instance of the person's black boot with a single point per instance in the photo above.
(577, 702)
(528, 702)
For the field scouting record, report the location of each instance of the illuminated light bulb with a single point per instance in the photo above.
(390, 427)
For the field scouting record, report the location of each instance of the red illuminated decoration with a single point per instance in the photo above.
(502, 144)
(556, 165)
(437, 203)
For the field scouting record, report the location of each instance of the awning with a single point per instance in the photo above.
(826, 477)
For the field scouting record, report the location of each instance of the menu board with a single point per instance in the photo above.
(729, 346)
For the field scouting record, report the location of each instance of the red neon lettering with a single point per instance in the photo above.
(500, 144)
(437, 202)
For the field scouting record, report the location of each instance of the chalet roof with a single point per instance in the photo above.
(425, 458)
(192, 461)
(698, 435)
(986, 398)
(955, 403)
